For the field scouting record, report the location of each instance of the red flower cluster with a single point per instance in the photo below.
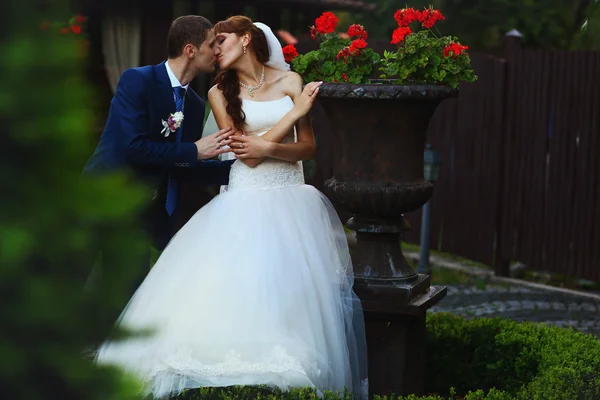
(344, 53)
(353, 50)
(430, 16)
(74, 25)
(357, 45)
(358, 31)
(407, 16)
(326, 23)
(400, 34)
(454, 49)
(354, 31)
(289, 52)
(427, 17)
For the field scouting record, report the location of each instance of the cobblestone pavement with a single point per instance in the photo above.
(523, 304)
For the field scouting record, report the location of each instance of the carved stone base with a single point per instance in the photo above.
(395, 330)
(377, 255)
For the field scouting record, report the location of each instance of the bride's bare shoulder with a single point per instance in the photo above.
(292, 82)
(215, 95)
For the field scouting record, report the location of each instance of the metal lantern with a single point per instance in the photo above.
(431, 171)
(431, 166)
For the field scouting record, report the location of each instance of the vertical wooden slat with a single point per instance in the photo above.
(593, 226)
(581, 167)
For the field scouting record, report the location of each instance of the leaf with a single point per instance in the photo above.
(328, 68)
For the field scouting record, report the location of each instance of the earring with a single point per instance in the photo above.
(244, 48)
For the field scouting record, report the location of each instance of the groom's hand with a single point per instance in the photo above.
(251, 146)
(213, 145)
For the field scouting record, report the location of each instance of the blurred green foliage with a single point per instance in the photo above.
(51, 216)
(588, 36)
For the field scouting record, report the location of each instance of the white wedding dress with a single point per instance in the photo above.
(256, 289)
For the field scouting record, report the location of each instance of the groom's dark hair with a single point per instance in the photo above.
(188, 29)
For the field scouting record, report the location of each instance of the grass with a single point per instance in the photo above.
(552, 279)
(446, 276)
(409, 247)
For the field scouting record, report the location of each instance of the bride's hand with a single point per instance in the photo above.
(251, 146)
(305, 102)
(213, 145)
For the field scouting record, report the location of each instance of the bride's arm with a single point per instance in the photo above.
(218, 105)
(268, 144)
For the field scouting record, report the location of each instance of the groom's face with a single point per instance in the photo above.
(205, 59)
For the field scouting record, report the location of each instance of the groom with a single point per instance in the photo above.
(140, 136)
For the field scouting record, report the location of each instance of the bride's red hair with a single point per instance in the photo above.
(227, 80)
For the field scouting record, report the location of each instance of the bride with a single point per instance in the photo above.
(256, 289)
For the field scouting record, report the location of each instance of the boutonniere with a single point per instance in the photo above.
(172, 123)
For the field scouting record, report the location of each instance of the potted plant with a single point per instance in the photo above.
(379, 108)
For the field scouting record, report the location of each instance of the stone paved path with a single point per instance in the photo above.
(524, 304)
(516, 299)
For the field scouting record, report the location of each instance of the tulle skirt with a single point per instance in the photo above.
(256, 289)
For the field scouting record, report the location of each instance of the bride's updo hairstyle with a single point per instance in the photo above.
(227, 80)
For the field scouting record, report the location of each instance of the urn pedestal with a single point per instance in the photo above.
(379, 137)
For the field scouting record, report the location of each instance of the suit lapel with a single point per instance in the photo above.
(193, 109)
(165, 91)
(189, 118)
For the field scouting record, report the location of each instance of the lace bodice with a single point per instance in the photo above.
(270, 173)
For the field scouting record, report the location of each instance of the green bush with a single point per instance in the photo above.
(524, 360)
(252, 393)
(481, 359)
(48, 218)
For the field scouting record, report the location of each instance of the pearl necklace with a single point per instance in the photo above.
(252, 89)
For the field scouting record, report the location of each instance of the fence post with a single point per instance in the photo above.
(512, 46)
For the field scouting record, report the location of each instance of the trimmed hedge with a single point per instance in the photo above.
(525, 360)
(480, 359)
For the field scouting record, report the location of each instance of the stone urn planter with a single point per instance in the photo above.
(379, 135)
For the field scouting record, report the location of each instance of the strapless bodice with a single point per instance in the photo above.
(270, 173)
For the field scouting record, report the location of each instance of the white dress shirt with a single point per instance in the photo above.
(175, 83)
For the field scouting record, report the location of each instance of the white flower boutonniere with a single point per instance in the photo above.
(172, 123)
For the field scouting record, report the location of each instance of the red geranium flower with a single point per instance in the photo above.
(345, 77)
(326, 23)
(358, 31)
(429, 17)
(290, 52)
(76, 29)
(80, 19)
(344, 53)
(454, 49)
(406, 16)
(400, 34)
(357, 45)
(313, 32)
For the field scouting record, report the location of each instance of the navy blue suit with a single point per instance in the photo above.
(132, 139)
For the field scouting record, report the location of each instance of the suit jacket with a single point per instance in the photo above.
(132, 139)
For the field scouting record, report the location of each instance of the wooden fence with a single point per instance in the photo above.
(521, 164)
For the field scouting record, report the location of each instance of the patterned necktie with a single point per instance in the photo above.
(173, 184)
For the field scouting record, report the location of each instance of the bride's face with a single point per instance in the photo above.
(229, 49)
